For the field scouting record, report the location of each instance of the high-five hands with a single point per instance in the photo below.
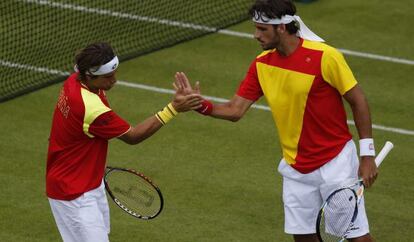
(182, 83)
(185, 98)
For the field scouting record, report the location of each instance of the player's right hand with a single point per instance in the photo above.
(181, 81)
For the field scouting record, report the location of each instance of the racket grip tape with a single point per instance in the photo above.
(383, 153)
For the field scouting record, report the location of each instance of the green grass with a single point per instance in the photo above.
(219, 179)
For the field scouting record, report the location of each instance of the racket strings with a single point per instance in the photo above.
(338, 215)
(135, 193)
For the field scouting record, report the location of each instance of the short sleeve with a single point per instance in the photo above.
(250, 87)
(336, 71)
(109, 125)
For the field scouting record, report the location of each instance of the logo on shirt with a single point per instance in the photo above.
(63, 104)
(308, 59)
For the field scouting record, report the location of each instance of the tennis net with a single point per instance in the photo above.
(39, 37)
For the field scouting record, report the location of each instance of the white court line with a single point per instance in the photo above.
(256, 106)
(194, 26)
(33, 68)
(169, 91)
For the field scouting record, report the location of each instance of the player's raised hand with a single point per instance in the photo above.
(181, 81)
(184, 100)
(182, 84)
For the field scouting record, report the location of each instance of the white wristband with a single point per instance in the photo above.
(366, 147)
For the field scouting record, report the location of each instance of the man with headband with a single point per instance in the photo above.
(304, 81)
(83, 122)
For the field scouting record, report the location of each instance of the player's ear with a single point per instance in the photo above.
(281, 28)
(89, 78)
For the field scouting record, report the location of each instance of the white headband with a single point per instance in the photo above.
(103, 69)
(303, 32)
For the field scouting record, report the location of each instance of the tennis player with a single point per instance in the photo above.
(304, 82)
(83, 122)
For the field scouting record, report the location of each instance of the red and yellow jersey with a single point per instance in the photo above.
(304, 91)
(82, 124)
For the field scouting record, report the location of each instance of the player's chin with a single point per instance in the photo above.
(109, 87)
(268, 47)
(265, 47)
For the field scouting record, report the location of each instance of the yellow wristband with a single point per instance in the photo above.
(166, 114)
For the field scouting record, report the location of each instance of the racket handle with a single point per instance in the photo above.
(383, 153)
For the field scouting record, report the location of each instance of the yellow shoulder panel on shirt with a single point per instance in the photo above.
(93, 108)
(335, 70)
(314, 45)
(266, 52)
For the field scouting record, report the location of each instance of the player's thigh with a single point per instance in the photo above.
(80, 219)
(301, 205)
(92, 224)
(65, 214)
(103, 206)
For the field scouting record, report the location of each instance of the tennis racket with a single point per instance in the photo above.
(133, 192)
(339, 211)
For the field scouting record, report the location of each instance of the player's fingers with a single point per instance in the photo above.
(195, 101)
(195, 96)
(183, 76)
(197, 87)
(181, 79)
(372, 178)
(192, 103)
(183, 82)
(368, 181)
(175, 86)
(178, 79)
(177, 76)
(196, 107)
(186, 83)
(178, 83)
(365, 180)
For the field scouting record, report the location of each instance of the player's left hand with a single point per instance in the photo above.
(181, 81)
(184, 101)
(368, 170)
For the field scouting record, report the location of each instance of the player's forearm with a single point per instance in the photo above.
(142, 131)
(151, 125)
(232, 110)
(362, 119)
(360, 111)
(226, 111)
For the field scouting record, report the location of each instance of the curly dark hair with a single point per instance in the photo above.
(92, 57)
(275, 9)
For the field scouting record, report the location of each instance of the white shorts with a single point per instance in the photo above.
(85, 218)
(303, 194)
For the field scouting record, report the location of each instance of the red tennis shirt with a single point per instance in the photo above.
(304, 91)
(82, 124)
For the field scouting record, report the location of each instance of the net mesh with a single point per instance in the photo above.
(39, 37)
